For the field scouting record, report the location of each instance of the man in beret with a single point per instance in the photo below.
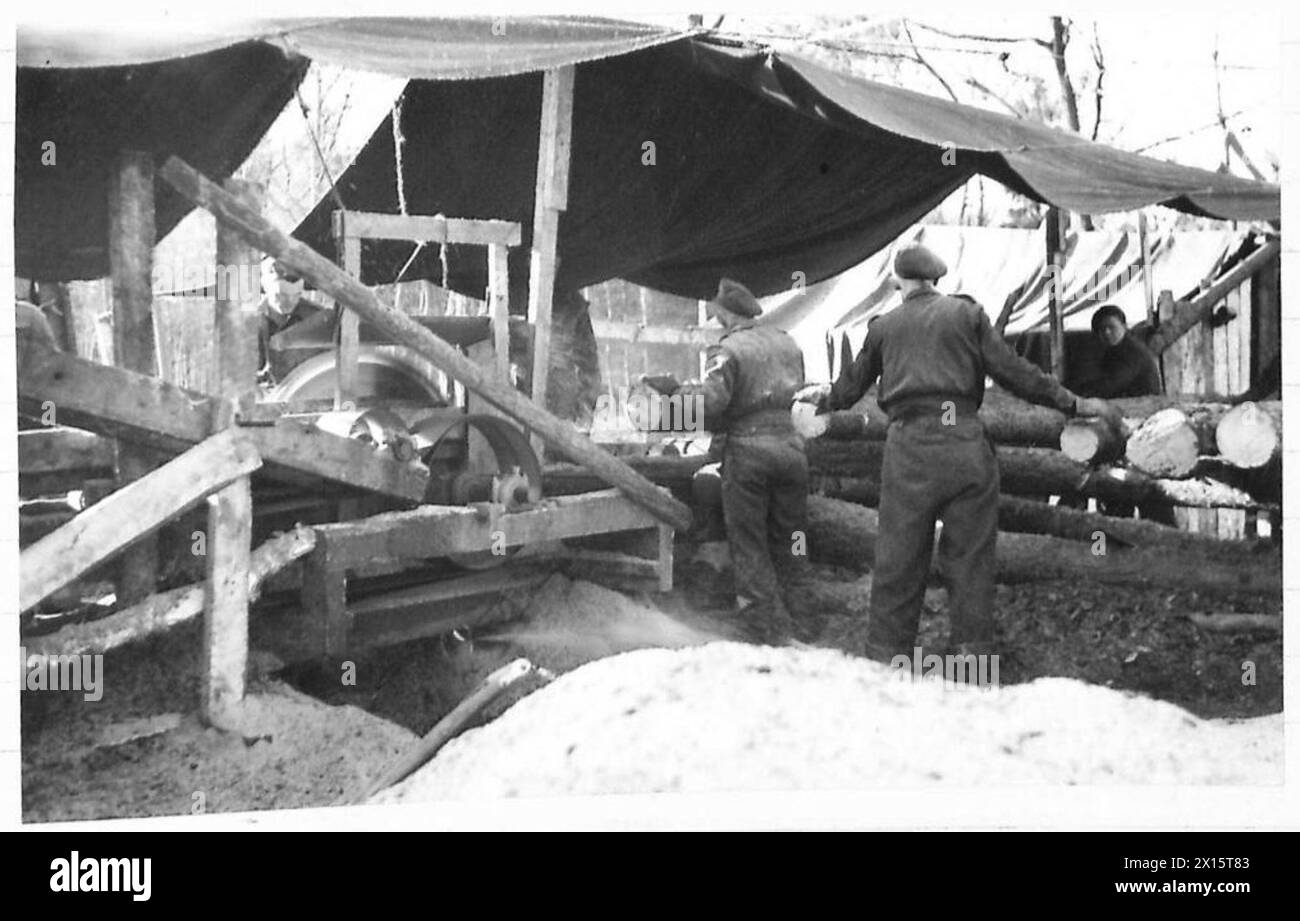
(750, 379)
(931, 355)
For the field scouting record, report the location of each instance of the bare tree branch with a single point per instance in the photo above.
(1099, 59)
(976, 85)
(980, 38)
(926, 64)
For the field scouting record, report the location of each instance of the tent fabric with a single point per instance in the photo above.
(693, 156)
(432, 47)
(1005, 268)
(209, 109)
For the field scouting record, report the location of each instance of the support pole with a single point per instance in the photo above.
(1148, 283)
(499, 308)
(347, 351)
(1055, 292)
(552, 198)
(230, 510)
(131, 236)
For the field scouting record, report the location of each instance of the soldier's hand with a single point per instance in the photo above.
(816, 394)
(1091, 406)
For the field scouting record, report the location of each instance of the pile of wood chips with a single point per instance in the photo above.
(728, 716)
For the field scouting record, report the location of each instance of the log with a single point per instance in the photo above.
(167, 609)
(844, 534)
(1042, 472)
(1249, 435)
(1091, 441)
(1165, 444)
(134, 511)
(352, 294)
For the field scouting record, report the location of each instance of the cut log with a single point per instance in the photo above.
(1250, 435)
(352, 294)
(844, 534)
(1164, 445)
(1237, 623)
(167, 609)
(1091, 441)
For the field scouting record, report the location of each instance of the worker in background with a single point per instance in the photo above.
(750, 380)
(1125, 367)
(282, 306)
(931, 355)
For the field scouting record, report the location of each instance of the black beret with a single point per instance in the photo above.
(735, 297)
(917, 262)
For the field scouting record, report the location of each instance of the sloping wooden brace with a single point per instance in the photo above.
(1199, 308)
(61, 448)
(165, 610)
(351, 293)
(135, 510)
(139, 408)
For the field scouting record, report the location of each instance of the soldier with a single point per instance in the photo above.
(282, 306)
(931, 355)
(1125, 367)
(750, 380)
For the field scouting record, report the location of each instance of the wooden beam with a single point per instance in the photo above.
(131, 236)
(347, 351)
(370, 225)
(433, 531)
(551, 198)
(225, 599)
(665, 564)
(498, 293)
(1055, 292)
(236, 318)
(165, 610)
(130, 513)
(1148, 283)
(347, 290)
(1199, 308)
(145, 410)
(50, 450)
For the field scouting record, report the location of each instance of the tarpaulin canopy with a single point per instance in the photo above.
(692, 156)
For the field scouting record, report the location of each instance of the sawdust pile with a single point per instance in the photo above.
(570, 623)
(729, 716)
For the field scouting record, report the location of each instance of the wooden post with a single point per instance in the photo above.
(131, 239)
(230, 511)
(346, 353)
(1056, 319)
(552, 198)
(499, 308)
(665, 565)
(1148, 283)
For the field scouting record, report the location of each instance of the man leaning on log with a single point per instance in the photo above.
(932, 355)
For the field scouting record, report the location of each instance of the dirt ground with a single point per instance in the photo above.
(142, 750)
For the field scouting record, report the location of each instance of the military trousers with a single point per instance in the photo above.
(765, 506)
(932, 472)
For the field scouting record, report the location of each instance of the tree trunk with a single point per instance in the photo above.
(1091, 441)
(844, 534)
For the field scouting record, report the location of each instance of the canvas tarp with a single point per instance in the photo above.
(693, 156)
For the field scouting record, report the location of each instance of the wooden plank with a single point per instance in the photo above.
(339, 285)
(130, 513)
(492, 582)
(370, 225)
(433, 531)
(141, 409)
(324, 601)
(165, 610)
(58, 448)
(226, 598)
(665, 558)
(551, 198)
(236, 318)
(347, 351)
(131, 235)
(498, 293)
